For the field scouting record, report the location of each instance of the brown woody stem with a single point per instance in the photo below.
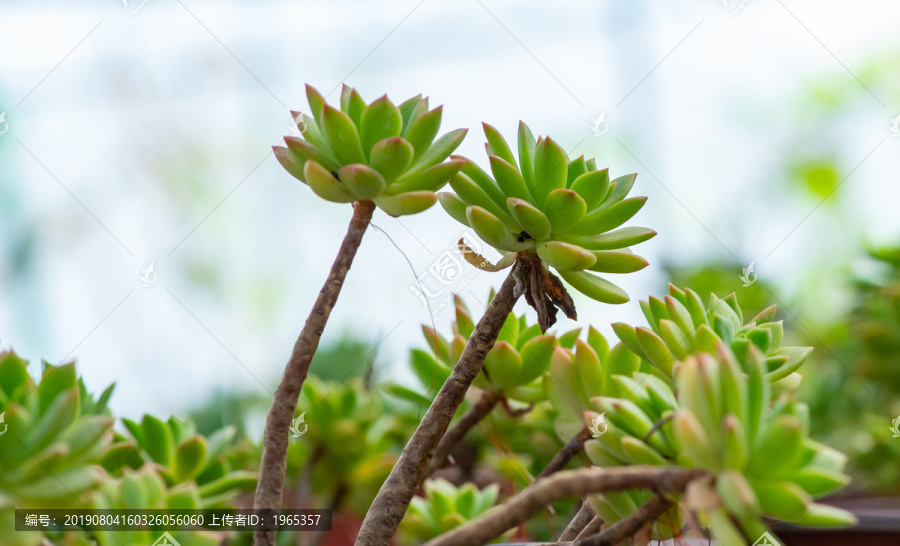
(564, 455)
(591, 528)
(270, 485)
(560, 485)
(628, 526)
(393, 498)
(481, 409)
(584, 516)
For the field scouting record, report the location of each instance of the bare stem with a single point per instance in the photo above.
(481, 409)
(393, 498)
(568, 451)
(270, 486)
(584, 516)
(628, 526)
(592, 527)
(560, 485)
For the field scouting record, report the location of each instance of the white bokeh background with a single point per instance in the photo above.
(148, 139)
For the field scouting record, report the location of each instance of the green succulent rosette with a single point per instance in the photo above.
(581, 371)
(179, 456)
(377, 152)
(681, 325)
(565, 213)
(721, 418)
(445, 507)
(513, 368)
(52, 436)
(146, 489)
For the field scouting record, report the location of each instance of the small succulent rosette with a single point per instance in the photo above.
(721, 418)
(145, 489)
(445, 507)
(514, 367)
(681, 325)
(181, 457)
(579, 371)
(377, 152)
(544, 211)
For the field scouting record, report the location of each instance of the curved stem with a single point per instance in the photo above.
(584, 516)
(592, 527)
(270, 485)
(564, 455)
(393, 498)
(624, 528)
(457, 432)
(560, 485)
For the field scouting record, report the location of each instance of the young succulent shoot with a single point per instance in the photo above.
(180, 455)
(513, 369)
(145, 489)
(445, 507)
(681, 325)
(375, 152)
(721, 418)
(580, 373)
(544, 211)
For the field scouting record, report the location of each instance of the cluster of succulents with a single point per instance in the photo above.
(681, 325)
(181, 456)
(375, 152)
(721, 417)
(514, 367)
(346, 433)
(445, 507)
(564, 212)
(58, 449)
(54, 433)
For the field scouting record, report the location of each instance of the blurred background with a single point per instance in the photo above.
(763, 132)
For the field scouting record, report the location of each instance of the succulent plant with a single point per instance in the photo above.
(53, 435)
(514, 366)
(719, 418)
(445, 507)
(377, 152)
(146, 489)
(180, 456)
(680, 325)
(544, 206)
(582, 372)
